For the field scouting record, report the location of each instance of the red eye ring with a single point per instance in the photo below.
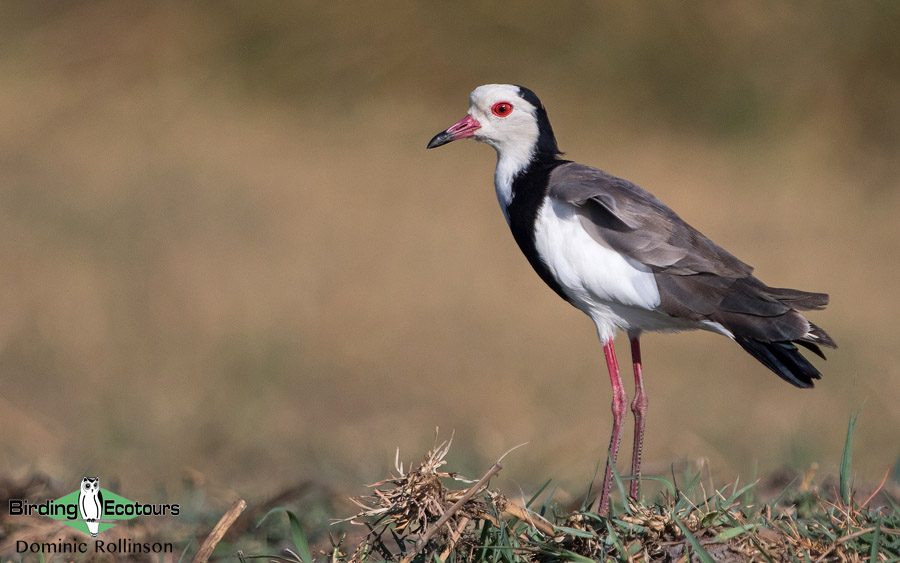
(502, 109)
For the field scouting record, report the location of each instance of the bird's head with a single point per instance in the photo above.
(509, 118)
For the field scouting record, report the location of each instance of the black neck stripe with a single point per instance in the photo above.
(546, 143)
(529, 191)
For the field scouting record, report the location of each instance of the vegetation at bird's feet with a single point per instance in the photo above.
(423, 514)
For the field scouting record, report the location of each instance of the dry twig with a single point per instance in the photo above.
(218, 531)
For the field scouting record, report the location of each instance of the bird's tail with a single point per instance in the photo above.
(766, 323)
(784, 358)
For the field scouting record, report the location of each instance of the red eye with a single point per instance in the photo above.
(501, 109)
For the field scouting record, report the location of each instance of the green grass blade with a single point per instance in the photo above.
(726, 535)
(501, 532)
(876, 539)
(614, 539)
(586, 503)
(621, 487)
(668, 484)
(736, 494)
(702, 554)
(572, 556)
(538, 493)
(893, 504)
(575, 532)
(684, 493)
(546, 505)
(297, 536)
(846, 457)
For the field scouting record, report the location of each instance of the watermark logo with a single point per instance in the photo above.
(91, 510)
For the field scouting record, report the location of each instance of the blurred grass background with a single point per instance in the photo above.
(225, 248)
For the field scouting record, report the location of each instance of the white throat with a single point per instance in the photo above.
(510, 161)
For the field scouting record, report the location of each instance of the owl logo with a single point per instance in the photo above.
(90, 502)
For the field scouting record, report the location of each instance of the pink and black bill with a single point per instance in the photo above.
(462, 129)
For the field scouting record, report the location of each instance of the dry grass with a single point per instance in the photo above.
(417, 515)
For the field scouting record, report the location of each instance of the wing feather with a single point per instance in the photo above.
(696, 278)
(630, 220)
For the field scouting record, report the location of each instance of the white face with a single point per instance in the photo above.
(508, 122)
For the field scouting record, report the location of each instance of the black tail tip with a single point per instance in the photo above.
(783, 358)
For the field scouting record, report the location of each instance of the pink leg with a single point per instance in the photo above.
(618, 409)
(639, 408)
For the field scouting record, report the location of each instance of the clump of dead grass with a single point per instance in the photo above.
(424, 515)
(419, 515)
(412, 499)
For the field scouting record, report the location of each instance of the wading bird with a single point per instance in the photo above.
(618, 254)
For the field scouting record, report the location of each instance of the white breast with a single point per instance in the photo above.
(615, 291)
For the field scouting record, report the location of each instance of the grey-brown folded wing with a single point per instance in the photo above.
(630, 220)
(696, 278)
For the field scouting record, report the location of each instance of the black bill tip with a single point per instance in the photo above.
(440, 139)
